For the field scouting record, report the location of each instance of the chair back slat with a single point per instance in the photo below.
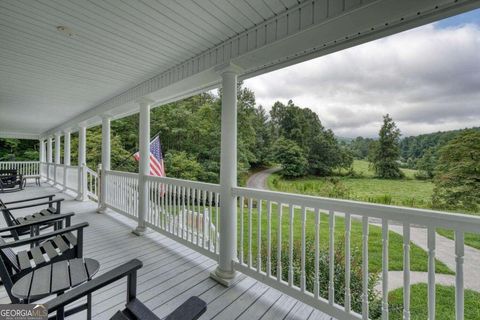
(10, 256)
(7, 215)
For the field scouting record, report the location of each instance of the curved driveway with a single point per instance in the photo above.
(259, 180)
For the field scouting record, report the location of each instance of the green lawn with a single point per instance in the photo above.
(418, 255)
(471, 239)
(445, 297)
(362, 168)
(363, 187)
(407, 192)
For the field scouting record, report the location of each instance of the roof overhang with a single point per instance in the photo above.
(302, 32)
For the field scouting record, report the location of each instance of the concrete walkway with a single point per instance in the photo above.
(445, 252)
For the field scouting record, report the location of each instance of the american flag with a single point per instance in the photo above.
(157, 167)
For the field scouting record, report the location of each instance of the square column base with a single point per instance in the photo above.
(227, 282)
(139, 231)
(101, 209)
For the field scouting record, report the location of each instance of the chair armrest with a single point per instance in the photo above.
(101, 281)
(42, 221)
(50, 196)
(57, 201)
(42, 237)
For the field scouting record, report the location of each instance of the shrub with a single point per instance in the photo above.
(339, 277)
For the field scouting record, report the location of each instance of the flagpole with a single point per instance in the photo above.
(132, 153)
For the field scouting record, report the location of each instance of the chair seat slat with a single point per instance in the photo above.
(60, 243)
(40, 283)
(60, 279)
(49, 250)
(22, 286)
(71, 238)
(23, 260)
(92, 266)
(37, 255)
(78, 272)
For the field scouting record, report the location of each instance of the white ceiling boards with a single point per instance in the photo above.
(64, 62)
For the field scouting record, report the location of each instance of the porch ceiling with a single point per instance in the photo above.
(114, 52)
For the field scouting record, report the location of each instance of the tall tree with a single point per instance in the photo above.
(457, 176)
(292, 158)
(386, 151)
(303, 126)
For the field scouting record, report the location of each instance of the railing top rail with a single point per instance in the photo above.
(12, 162)
(92, 172)
(122, 173)
(71, 167)
(457, 221)
(186, 183)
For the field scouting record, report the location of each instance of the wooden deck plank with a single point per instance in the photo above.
(262, 305)
(237, 307)
(280, 309)
(301, 311)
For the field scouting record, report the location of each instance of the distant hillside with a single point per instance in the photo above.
(412, 148)
(344, 139)
(415, 146)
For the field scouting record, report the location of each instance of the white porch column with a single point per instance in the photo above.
(144, 165)
(225, 273)
(57, 147)
(82, 162)
(66, 156)
(41, 155)
(105, 161)
(41, 150)
(49, 149)
(49, 157)
(57, 158)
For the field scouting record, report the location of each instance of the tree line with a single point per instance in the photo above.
(288, 135)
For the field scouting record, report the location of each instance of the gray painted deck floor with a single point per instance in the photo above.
(171, 271)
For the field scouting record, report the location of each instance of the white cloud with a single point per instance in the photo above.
(427, 78)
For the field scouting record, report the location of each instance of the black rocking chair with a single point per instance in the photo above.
(191, 309)
(51, 207)
(58, 245)
(10, 181)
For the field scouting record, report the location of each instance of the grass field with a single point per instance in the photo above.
(471, 239)
(418, 255)
(444, 303)
(362, 187)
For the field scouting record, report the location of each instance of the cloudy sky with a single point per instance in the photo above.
(427, 79)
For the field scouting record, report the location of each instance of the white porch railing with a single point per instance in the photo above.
(184, 210)
(304, 213)
(22, 167)
(51, 172)
(92, 184)
(71, 179)
(188, 212)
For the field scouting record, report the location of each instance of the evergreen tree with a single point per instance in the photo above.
(457, 176)
(386, 151)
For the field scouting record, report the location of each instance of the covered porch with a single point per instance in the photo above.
(71, 65)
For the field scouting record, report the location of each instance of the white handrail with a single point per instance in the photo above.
(23, 167)
(457, 221)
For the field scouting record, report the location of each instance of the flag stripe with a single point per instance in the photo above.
(156, 159)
